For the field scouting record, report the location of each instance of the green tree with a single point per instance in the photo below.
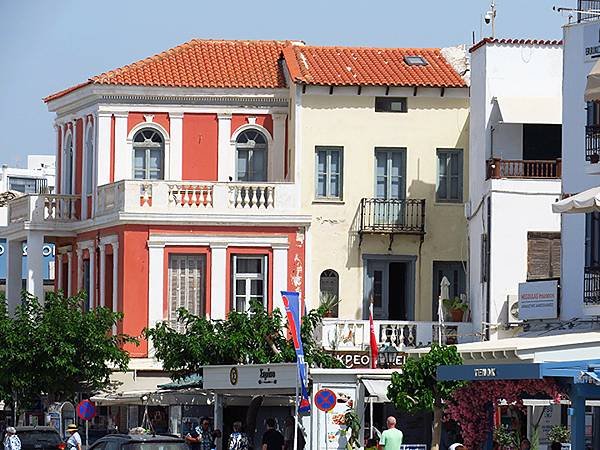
(253, 337)
(57, 349)
(416, 389)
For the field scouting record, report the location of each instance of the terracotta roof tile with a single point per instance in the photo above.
(354, 66)
(202, 64)
(484, 41)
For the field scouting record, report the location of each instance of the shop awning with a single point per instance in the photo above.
(592, 88)
(541, 110)
(584, 202)
(377, 388)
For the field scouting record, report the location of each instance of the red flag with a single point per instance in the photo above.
(374, 349)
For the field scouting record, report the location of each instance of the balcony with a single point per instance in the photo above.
(588, 5)
(591, 286)
(517, 168)
(196, 199)
(44, 208)
(391, 216)
(592, 143)
(354, 335)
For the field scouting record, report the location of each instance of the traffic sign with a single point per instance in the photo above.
(86, 410)
(325, 399)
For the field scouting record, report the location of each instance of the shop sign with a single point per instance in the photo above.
(362, 359)
(258, 376)
(538, 300)
(591, 42)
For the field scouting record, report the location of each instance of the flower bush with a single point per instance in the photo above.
(470, 404)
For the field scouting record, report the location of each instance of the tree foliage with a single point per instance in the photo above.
(253, 337)
(416, 389)
(57, 349)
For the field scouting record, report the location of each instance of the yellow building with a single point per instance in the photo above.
(383, 139)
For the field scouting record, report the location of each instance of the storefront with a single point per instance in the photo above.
(582, 379)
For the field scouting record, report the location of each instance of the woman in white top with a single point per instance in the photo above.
(74, 441)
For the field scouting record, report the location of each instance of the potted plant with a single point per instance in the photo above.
(329, 302)
(560, 434)
(506, 438)
(456, 308)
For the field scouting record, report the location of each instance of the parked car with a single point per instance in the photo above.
(40, 438)
(139, 442)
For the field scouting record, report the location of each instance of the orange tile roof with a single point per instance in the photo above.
(355, 66)
(543, 42)
(201, 64)
(256, 65)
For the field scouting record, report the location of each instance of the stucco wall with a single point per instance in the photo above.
(350, 121)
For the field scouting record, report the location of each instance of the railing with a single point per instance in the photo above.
(142, 196)
(392, 216)
(592, 143)
(44, 208)
(591, 286)
(588, 5)
(338, 334)
(518, 168)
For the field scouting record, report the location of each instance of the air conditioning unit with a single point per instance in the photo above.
(513, 309)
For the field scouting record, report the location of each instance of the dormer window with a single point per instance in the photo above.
(415, 60)
(148, 151)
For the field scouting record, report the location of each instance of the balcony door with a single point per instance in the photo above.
(389, 284)
(390, 185)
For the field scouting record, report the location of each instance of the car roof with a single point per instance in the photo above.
(143, 437)
(35, 428)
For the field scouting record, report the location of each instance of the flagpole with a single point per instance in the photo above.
(296, 415)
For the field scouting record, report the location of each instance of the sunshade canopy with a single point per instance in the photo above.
(540, 110)
(584, 202)
(592, 88)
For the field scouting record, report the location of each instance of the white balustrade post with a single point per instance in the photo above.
(280, 282)
(14, 276)
(218, 270)
(35, 259)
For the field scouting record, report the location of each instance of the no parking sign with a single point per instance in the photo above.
(86, 410)
(325, 399)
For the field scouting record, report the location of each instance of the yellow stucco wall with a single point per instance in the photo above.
(351, 122)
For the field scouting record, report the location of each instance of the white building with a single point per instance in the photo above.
(39, 175)
(514, 173)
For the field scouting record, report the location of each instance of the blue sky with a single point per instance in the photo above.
(46, 46)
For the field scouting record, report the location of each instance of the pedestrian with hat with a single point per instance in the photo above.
(11, 440)
(74, 441)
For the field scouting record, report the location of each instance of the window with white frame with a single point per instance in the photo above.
(89, 161)
(328, 172)
(187, 280)
(68, 164)
(251, 160)
(249, 280)
(148, 155)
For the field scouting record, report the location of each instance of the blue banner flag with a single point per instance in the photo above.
(291, 301)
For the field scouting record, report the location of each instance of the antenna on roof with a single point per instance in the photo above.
(490, 17)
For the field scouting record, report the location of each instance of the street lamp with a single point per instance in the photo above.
(387, 356)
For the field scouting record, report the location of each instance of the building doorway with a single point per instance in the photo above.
(389, 283)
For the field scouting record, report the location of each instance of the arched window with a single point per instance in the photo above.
(68, 165)
(329, 287)
(251, 148)
(148, 155)
(89, 161)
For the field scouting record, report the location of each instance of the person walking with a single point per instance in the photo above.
(200, 438)
(11, 440)
(272, 439)
(238, 440)
(74, 441)
(391, 439)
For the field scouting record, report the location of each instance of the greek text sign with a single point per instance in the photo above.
(259, 376)
(538, 300)
(591, 42)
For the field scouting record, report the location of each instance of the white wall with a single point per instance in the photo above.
(578, 175)
(518, 206)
